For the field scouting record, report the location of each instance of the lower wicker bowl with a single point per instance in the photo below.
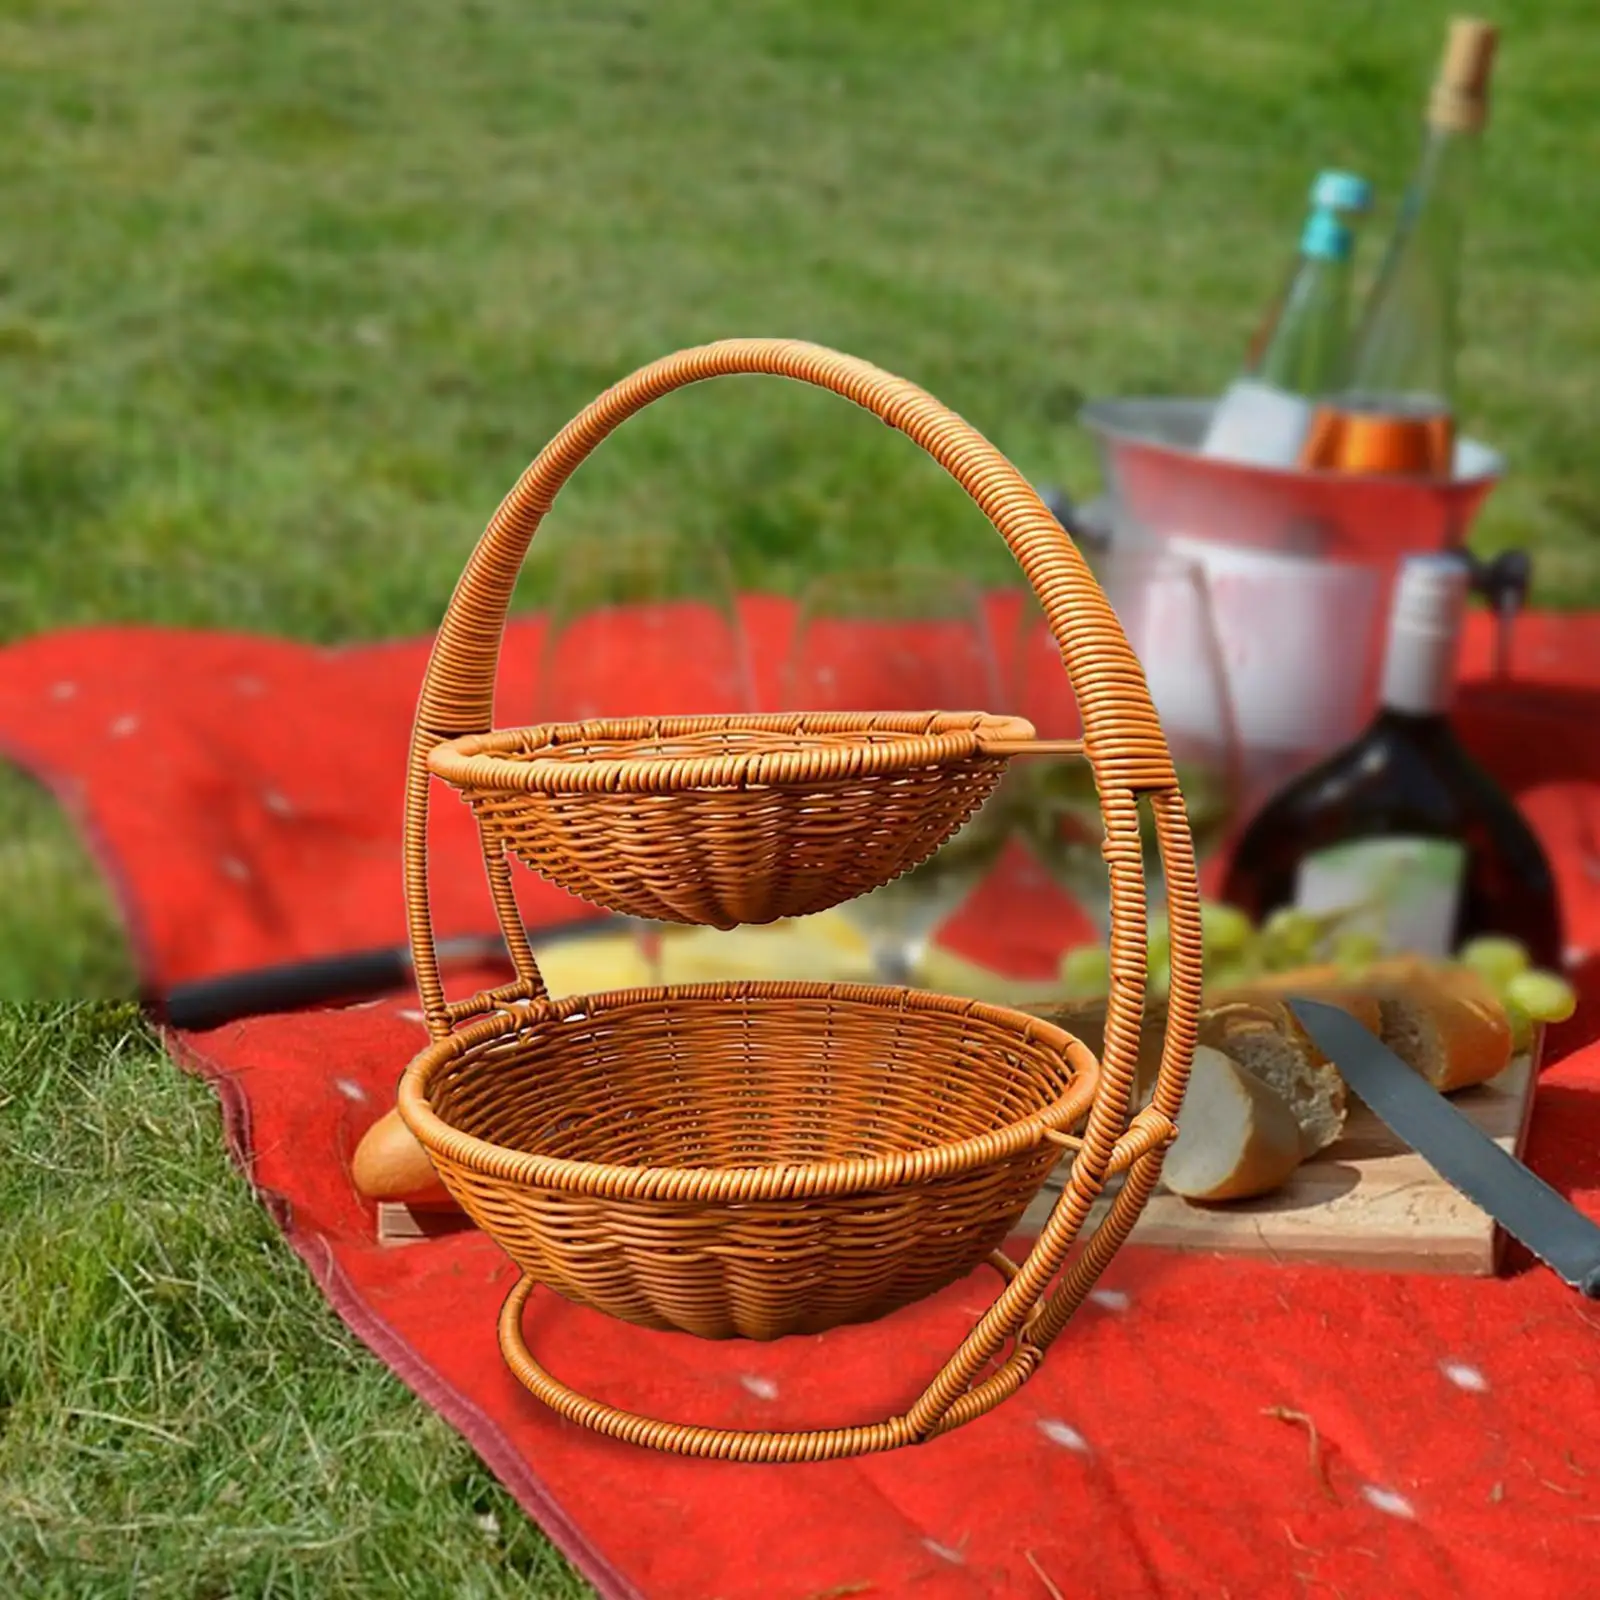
(753, 1159)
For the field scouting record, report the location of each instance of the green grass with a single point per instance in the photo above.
(181, 1414)
(290, 292)
(289, 295)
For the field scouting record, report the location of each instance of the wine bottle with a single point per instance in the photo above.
(1397, 411)
(1401, 832)
(1296, 357)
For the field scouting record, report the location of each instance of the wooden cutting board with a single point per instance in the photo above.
(1366, 1201)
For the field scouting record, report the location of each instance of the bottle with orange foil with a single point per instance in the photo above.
(1396, 412)
(1297, 356)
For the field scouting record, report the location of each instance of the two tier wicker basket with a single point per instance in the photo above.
(752, 1160)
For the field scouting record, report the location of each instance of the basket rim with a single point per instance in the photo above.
(793, 1180)
(850, 745)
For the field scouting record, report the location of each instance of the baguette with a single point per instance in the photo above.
(390, 1164)
(1447, 1024)
(1237, 1137)
(1443, 1020)
(1259, 1032)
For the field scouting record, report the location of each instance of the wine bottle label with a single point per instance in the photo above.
(1405, 893)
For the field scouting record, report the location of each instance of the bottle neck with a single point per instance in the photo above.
(1405, 351)
(1435, 206)
(1305, 352)
(1419, 669)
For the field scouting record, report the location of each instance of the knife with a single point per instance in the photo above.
(354, 975)
(1460, 1152)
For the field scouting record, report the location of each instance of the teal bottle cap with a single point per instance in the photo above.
(1341, 191)
(1326, 238)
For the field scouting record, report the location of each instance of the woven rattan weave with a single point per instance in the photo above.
(728, 820)
(690, 1130)
(761, 1159)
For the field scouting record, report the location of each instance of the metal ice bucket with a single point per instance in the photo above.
(1160, 487)
(1301, 566)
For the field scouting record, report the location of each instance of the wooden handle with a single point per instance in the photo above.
(1030, 747)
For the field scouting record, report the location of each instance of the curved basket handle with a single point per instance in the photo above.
(1122, 741)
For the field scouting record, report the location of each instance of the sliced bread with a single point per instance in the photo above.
(1257, 1031)
(1264, 1038)
(1444, 1021)
(1237, 1137)
(1447, 1024)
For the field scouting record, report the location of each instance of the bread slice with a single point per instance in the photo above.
(1260, 1033)
(1264, 1038)
(1237, 1136)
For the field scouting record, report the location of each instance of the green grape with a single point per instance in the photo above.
(1521, 1027)
(1224, 930)
(1354, 951)
(1085, 970)
(1229, 975)
(1541, 996)
(1288, 937)
(1495, 959)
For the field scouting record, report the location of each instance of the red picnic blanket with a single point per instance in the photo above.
(244, 797)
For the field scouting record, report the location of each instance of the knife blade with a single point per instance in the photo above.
(1518, 1199)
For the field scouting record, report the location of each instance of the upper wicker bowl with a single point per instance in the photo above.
(733, 819)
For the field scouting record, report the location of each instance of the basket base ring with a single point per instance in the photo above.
(735, 1444)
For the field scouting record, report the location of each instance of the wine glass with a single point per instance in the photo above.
(902, 639)
(643, 625)
(1165, 607)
